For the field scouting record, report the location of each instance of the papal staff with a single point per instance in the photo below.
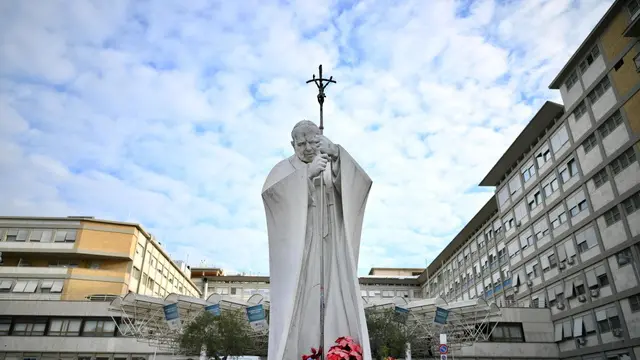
(321, 84)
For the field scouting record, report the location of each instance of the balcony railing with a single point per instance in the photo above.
(16, 271)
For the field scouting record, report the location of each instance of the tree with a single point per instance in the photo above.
(388, 334)
(227, 334)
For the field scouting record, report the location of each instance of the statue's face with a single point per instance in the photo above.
(306, 145)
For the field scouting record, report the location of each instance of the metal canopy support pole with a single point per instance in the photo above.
(321, 84)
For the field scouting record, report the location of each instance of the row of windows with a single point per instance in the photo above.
(385, 293)
(576, 203)
(38, 235)
(513, 189)
(574, 291)
(585, 237)
(165, 276)
(58, 326)
(153, 287)
(603, 320)
(31, 286)
(562, 255)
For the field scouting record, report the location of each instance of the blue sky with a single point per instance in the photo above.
(171, 113)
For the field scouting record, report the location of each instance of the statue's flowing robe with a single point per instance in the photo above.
(292, 209)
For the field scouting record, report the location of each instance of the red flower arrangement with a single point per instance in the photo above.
(315, 354)
(345, 349)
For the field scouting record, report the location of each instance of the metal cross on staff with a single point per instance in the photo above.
(321, 83)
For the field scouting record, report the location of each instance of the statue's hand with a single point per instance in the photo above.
(327, 147)
(318, 165)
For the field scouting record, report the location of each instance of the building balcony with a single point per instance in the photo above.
(60, 272)
(32, 271)
(36, 247)
(633, 30)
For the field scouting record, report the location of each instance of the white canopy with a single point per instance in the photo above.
(143, 316)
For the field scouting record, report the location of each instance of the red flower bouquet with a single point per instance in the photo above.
(315, 354)
(345, 349)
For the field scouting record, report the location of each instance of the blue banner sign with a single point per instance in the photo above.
(172, 316)
(214, 309)
(441, 316)
(257, 317)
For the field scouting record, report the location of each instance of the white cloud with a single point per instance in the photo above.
(172, 113)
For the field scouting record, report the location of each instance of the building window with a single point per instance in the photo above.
(569, 170)
(528, 173)
(505, 332)
(600, 178)
(65, 236)
(563, 330)
(572, 79)
(632, 203)
(136, 273)
(577, 203)
(603, 278)
(534, 199)
(514, 184)
(508, 224)
(583, 325)
(29, 327)
(634, 304)
(633, 6)
(558, 217)
(589, 143)
(65, 327)
(624, 257)
(5, 285)
(612, 216)
(106, 327)
(25, 286)
(17, 235)
(608, 320)
(51, 286)
(44, 236)
(5, 326)
(543, 156)
(580, 110)
(533, 271)
(610, 124)
(623, 161)
(559, 139)
(593, 55)
(551, 187)
(586, 239)
(599, 90)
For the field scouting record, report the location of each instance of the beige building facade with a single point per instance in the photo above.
(76, 258)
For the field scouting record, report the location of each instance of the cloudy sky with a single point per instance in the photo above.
(171, 113)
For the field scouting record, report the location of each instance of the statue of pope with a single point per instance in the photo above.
(290, 196)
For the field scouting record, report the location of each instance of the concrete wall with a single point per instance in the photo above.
(34, 344)
(493, 350)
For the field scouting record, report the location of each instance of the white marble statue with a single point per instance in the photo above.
(290, 195)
